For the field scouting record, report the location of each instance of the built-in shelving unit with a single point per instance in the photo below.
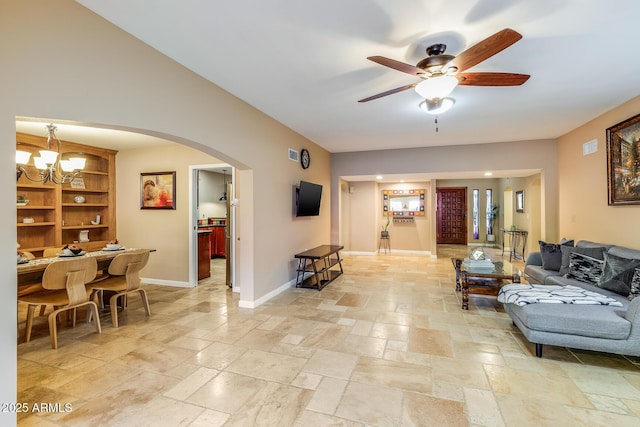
(57, 213)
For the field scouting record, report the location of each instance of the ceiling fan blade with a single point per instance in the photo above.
(492, 79)
(389, 92)
(397, 65)
(484, 49)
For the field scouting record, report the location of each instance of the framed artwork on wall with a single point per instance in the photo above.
(520, 201)
(158, 190)
(623, 162)
(408, 203)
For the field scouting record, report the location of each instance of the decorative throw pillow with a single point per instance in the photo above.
(551, 254)
(584, 268)
(617, 274)
(595, 252)
(635, 285)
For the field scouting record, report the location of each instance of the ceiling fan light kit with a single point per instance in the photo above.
(436, 106)
(436, 87)
(441, 73)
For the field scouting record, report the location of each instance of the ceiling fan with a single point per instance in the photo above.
(441, 73)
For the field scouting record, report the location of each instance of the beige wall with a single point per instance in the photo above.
(359, 219)
(584, 209)
(62, 62)
(529, 220)
(362, 219)
(482, 185)
(167, 231)
(537, 155)
(412, 236)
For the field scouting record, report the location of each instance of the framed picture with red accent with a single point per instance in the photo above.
(158, 190)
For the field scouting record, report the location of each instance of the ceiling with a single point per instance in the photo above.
(304, 64)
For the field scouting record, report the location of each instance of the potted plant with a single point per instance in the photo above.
(492, 215)
(385, 229)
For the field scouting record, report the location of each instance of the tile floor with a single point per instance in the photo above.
(386, 344)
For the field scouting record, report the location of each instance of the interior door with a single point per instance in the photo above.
(451, 215)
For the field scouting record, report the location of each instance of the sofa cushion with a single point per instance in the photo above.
(624, 252)
(596, 252)
(584, 268)
(597, 321)
(618, 273)
(552, 255)
(590, 244)
(536, 274)
(635, 285)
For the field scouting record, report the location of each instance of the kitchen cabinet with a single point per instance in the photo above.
(56, 214)
(204, 255)
(217, 240)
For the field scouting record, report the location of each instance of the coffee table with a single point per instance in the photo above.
(484, 281)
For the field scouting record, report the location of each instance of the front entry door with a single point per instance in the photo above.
(451, 216)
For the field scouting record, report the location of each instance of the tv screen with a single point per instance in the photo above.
(308, 203)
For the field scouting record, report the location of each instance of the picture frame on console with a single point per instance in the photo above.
(158, 190)
(623, 162)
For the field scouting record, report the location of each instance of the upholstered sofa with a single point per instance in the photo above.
(606, 328)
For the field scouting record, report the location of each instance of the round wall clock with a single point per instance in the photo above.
(305, 158)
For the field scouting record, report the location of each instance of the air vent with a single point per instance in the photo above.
(590, 147)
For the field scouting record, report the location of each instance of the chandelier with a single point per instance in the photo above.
(50, 165)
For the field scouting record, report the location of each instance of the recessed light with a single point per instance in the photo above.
(402, 180)
(488, 173)
(379, 177)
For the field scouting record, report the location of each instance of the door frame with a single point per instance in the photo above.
(193, 221)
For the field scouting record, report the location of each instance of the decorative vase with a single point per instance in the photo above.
(78, 199)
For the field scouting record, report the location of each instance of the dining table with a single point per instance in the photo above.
(29, 273)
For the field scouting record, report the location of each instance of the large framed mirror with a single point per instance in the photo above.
(403, 202)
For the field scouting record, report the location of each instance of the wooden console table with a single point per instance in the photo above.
(319, 262)
(515, 236)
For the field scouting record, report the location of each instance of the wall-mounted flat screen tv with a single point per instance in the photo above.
(308, 200)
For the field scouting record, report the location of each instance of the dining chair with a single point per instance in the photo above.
(124, 279)
(51, 252)
(64, 288)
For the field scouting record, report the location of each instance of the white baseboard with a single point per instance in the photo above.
(166, 282)
(392, 251)
(267, 297)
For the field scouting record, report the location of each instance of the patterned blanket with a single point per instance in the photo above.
(521, 294)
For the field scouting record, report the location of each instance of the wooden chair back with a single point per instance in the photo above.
(129, 264)
(51, 252)
(71, 275)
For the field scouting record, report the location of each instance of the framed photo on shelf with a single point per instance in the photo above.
(158, 190)
(623, 162)
(77, 183)
(520, 201)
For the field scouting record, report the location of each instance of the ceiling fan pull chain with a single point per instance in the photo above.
(436, 124)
